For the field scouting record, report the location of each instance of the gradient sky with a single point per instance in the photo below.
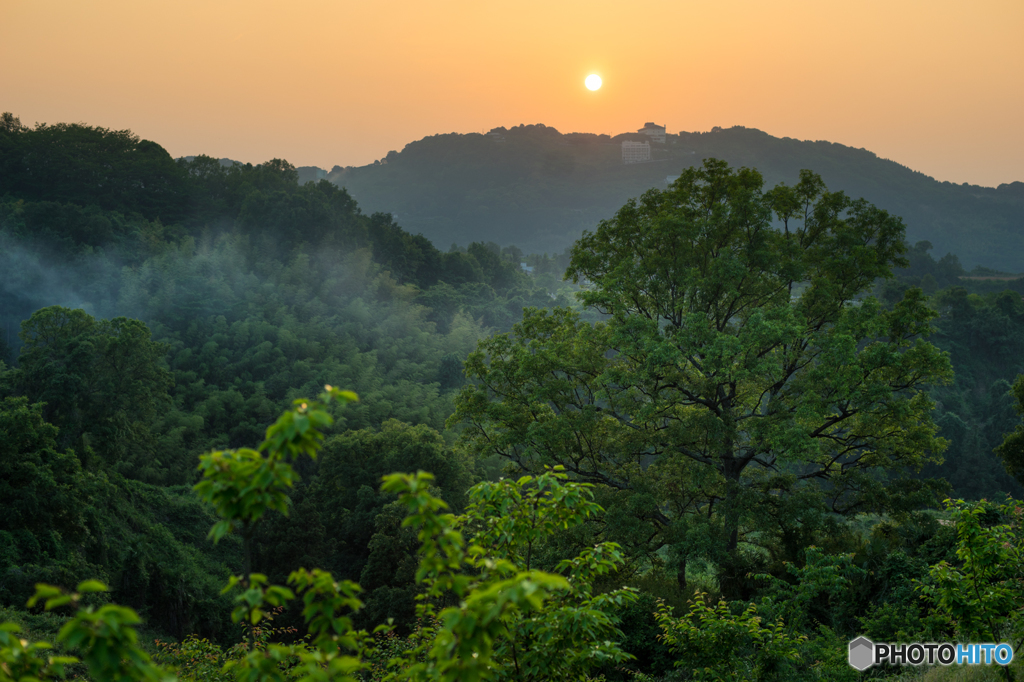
(935, 85)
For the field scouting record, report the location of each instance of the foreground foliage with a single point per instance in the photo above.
(506, 620)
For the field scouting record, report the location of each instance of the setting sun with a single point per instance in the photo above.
(593, 82)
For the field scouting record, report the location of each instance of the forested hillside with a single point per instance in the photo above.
(736, 436)
(151, 310)
(539, 189)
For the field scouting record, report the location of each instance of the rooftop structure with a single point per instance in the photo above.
(654, 131)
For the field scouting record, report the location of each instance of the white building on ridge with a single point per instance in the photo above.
(635, 152)
(654, 131)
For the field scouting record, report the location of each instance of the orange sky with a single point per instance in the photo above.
(935, 85)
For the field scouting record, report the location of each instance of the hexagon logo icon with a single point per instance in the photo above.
(862, 653)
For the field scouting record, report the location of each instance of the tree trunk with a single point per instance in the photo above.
(732, 569)
(681, 577)
(246, 552)
(246, 571)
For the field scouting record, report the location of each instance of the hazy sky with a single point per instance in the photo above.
(935, 85)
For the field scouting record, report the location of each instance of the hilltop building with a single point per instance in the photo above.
(654, 131)
(635, 152)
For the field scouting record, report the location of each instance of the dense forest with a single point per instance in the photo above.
(725, 420)
(540, 189)
(177, 312)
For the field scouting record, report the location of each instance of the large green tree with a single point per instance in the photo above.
(102, 383)
(38, 484)
(742, 389)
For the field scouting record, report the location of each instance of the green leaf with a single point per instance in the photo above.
(91, 586)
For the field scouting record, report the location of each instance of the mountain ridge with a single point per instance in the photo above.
(537, 188)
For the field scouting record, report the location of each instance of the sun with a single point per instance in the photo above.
(593, 82)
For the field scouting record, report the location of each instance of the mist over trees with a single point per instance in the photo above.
(755, 404)
(242, 289)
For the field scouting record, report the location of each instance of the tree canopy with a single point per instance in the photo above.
(742, 388)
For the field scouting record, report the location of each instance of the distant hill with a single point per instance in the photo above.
(539, 189)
